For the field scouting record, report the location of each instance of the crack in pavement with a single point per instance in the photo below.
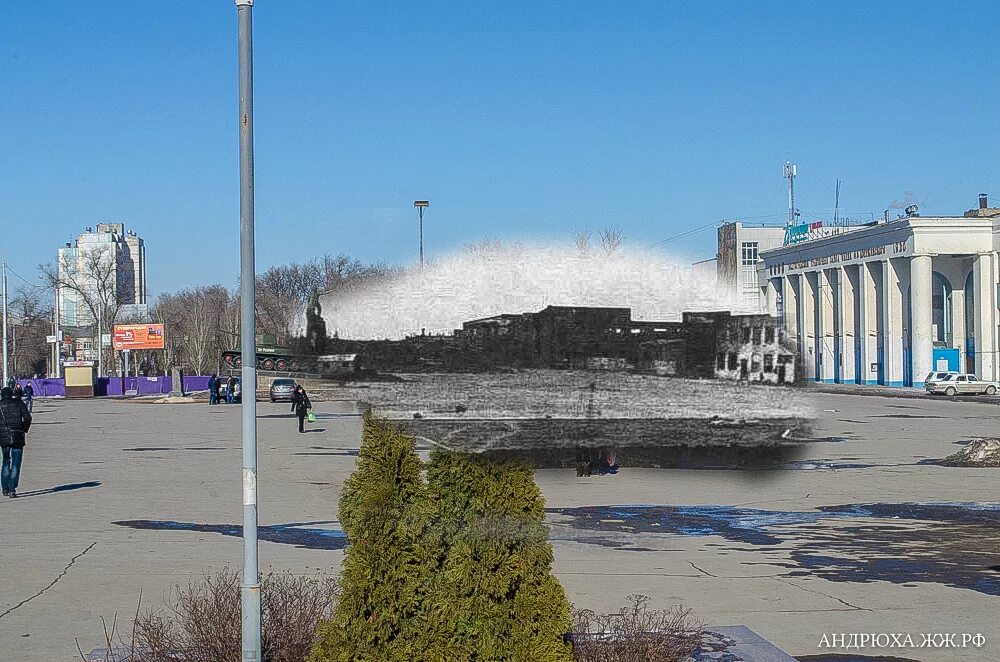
(706, 573)
(52, 583)
(832, 597)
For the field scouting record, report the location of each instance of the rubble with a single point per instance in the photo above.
(979, 453)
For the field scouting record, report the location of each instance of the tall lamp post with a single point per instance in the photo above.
(56, 332)
(6, 374)
(420, 204)
(250, 590)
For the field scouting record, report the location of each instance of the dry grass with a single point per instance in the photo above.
(636, 633)
(201, 622)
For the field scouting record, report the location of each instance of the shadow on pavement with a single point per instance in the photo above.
(68, 487)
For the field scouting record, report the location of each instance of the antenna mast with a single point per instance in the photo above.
(790, 173)
(836, 205)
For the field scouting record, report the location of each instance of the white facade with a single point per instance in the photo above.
(123, 252)
(740, 247)
(888, 303)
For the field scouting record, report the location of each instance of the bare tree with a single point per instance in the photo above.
(611, 239)
(199, 326)
(92, 276)
(484, 248)
(31, 321)
(582, 240)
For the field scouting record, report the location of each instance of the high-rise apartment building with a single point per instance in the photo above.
(109, 260)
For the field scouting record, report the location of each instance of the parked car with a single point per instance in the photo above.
(237, 391)
(282, 389)
(961, 384)
(937, 376)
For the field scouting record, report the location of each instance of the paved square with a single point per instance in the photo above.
(123, 496)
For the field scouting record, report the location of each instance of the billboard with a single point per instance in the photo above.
(138, 336)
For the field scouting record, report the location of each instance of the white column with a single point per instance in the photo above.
(846, 324)
(921, 318)
(892, 324)
(984, 288)
(958, 322)
(825, 284)
(790, 307)
(807, 324)
(771, 298)
(868, 319)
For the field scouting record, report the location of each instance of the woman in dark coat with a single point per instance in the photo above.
(14, 423)
(302, 406)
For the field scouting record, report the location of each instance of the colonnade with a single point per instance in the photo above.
(872, 322)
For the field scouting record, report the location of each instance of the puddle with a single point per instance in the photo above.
(812, 465)
(945, 543)
(306, 535)
(851, 657)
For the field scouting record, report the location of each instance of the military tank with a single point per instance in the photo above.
(270, 356)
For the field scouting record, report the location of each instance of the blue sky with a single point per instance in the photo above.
(527, 120)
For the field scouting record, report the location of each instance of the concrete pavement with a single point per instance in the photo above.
(821, 548)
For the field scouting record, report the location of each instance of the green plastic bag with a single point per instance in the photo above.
(311, 417)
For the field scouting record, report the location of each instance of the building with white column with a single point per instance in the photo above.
(890, 302)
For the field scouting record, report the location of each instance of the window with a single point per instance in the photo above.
(769, 363)
(720, 361)
(746, 334)
(749, 250)
(755, 363)
(769, 334)
(756, 335)
(732, 361)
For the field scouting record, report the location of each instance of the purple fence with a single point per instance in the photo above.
(45, 387)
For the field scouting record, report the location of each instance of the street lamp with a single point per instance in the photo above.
(250, 590)
(57, 332)
(420, 204)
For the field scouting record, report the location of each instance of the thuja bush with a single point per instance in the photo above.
(491, 593)
(383, 512)
(454, 567)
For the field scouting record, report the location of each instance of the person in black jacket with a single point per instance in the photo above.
(15, 419)
(302, 406)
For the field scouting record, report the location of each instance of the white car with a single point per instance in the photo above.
(961, 384)
(938, 375)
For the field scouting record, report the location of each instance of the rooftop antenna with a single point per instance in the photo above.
(836, 205)
(790, 173)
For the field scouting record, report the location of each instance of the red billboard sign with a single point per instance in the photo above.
(138, 336)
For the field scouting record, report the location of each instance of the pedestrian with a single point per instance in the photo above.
(213, 389)
(29, 395)
(302, 405)
(14, 423)
(18, 391)
(231, 390)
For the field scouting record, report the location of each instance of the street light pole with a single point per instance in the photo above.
(58, 343)
(420, 204)
(250, 590)
(6, 374)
